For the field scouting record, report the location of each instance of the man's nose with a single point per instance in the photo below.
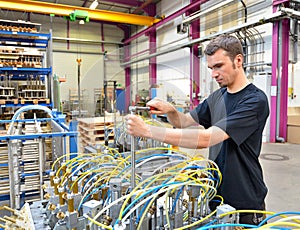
(214, 73)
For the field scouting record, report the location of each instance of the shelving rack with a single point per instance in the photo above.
(25, 161)
(77, 107)
(25, 66)
(29, 146)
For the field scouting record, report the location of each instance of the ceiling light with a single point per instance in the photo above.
(94, 5)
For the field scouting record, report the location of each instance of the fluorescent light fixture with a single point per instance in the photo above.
(94, 5)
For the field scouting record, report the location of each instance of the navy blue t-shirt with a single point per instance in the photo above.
(242, 116)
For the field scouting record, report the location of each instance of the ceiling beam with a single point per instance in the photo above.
(133, 3)
(66, 10)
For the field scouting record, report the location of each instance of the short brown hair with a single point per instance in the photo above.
(229, 43)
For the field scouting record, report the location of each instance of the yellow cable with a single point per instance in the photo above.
(98, 223)
(246, 211)
(197, 222)
(197, 181)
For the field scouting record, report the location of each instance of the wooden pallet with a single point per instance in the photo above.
(94, 123)
(35, 101)
(96, 131)
(92, 130)
(9, 101)
(93, 143)
(94, 138)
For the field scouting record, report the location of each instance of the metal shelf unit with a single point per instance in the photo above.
(25, 68)
(28, 152)
(26, 81)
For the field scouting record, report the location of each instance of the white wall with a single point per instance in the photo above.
(173, 68)
(91, 70)
(65, 53)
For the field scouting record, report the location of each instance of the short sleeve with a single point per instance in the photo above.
(201, 114)
(243, 120)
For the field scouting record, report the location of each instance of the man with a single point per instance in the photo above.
(233, 116)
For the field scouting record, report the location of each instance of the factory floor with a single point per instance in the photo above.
(281, 168)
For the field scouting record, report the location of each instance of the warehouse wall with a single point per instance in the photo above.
(173, 69)
(91, 51)
(173, 73)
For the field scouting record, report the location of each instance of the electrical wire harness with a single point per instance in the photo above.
(173, 190)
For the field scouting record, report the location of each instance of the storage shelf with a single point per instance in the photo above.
(24, 39)
(21, 70)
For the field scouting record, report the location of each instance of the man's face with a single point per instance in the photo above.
(223, 69)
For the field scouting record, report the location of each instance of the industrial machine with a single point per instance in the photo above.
(142, 187)
(35, 138)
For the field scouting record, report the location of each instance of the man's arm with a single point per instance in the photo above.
(187, 138)
(176, 118)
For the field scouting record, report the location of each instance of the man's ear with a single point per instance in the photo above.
(239, 59)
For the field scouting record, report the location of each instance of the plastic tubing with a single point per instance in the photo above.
(224, 225)
(143, 162)
(294, 218)
(97, 223)
(267, 226)
(283, 214)
(154, 189)
(148, 206)
(154, 195)
(26, 108)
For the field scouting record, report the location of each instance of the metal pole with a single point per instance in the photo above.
(132, 179)
(78, 82)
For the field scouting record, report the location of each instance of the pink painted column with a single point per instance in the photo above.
(194, 60)
(152, 63)
(278, 111)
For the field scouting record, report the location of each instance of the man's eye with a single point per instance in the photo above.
(217, 67)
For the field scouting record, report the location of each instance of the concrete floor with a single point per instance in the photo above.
(281, 166)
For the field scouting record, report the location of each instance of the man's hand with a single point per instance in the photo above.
(137, 127)
(159, 107)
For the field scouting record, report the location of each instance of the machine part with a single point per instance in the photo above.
(172, 184)
(79, 15)
(115, 187)
(14, 173)
(91, 208)
(221, 209)
(79, 60)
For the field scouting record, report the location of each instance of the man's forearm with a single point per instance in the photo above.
(187, 138)
(176, 118)
(180, 120)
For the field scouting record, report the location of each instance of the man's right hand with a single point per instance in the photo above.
(159, 107)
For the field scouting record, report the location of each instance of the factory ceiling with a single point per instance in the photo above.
(118, 11)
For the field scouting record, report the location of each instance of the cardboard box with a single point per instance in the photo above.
(293, 134)
(293, 125)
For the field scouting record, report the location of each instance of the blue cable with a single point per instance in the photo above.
(146, 194)
(226, 225)
(88, 195)
(278, 214)
(146, 204)
(176, 199)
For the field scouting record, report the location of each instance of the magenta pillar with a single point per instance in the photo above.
(194, 59)
(284, 78)
(279, 82)
(273, 100)
(152, 61)
(152, 49)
